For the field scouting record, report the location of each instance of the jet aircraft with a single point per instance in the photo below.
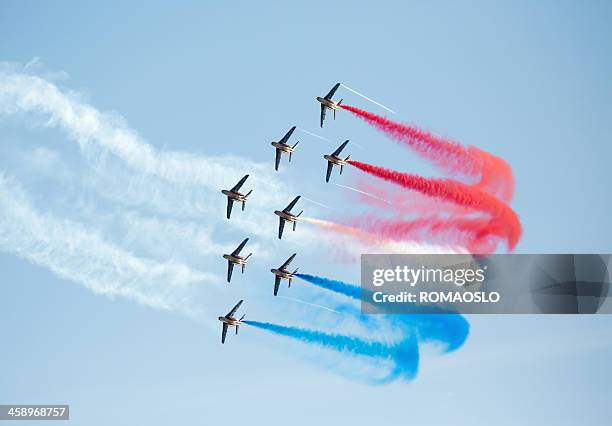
(282, 273)
(282, 147)
(235, 259)
(286, 216)
(230, 321)
(334, 160)
(328, 103)
(234, 195)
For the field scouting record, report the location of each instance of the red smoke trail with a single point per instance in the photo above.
(504, 220)
(401, 203)
(494, 174)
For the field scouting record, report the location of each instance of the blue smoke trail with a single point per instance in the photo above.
(341, 287)
(403, 354)
(449, 329)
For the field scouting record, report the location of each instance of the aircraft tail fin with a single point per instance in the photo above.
(243, 265)
(348, 157)
(237, 329)
(289, 283)
(295, 222)
(245, 198)
(290, 155)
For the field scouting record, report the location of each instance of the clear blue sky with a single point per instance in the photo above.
(528, 82)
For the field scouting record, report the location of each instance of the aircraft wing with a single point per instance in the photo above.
(240, 183)
(281, 226)
(240, 247)
(288, 135)
(278, 158)
(322, 114)
(332, 91)
(230, 269)
(277, 281)
(330, 166)
(291, 204)
(230, 203)
(288, 261)
(234, 309)
(224, 333)
(340, 148)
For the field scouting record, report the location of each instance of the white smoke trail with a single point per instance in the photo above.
(88, 126)
(368, 99)
(326, 139)
(146, 176)
(357, 145)
(317, 203)
(78, 254)
(363, 192)
(303, 197)
(315, 135)
(308, 303)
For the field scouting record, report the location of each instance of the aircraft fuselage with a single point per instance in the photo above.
(328, 103)
(282, 147)
(289, 217)
(335, 160)
(236, 260)
(283, 273)
(236, 196)
(231, 321)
